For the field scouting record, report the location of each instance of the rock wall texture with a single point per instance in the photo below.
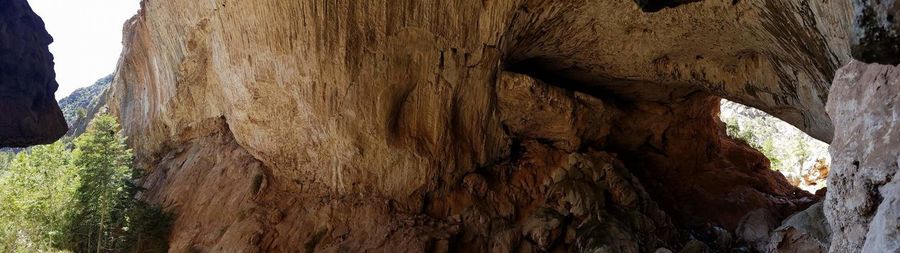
(863, 191)
(514, 125)
(876, 31)
(29, 114)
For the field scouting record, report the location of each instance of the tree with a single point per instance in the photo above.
(36, 199)
(82, 200)
(108, 217)
(105, 164)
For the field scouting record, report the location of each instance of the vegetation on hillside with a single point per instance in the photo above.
(82, 200)
(76, 105)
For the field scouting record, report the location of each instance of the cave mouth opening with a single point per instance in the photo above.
(803, 160)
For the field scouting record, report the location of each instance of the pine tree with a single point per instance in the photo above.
(108, 217)
(105, 164)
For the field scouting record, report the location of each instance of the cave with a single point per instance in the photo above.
(661, 172)
(503, 126)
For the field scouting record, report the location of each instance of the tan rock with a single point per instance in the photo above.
(447, 125)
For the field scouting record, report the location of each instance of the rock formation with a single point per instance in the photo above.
(862, 200)
(505, 125)
(804, 232)
(29, 114)
(863, 190)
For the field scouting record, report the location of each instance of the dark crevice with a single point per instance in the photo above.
(538, 68)
(876, 43)
(657, 5)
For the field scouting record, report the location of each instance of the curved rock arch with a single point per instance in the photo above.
(462, 125)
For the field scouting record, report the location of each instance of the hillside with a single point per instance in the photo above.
(78, 105)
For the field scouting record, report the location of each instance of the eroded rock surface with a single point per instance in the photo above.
(29, 114)
(863, 195)
(465, 125)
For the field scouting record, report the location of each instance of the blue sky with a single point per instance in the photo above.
(87, 37)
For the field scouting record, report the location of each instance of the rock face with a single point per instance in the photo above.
(411, 126)
(876, 31)
(29, 114)
(803, 232)
(863, 188)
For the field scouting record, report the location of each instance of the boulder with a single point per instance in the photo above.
(806, 231)
(862, 200)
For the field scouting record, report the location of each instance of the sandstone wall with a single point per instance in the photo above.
(449, 125)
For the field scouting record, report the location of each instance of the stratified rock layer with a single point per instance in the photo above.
(863, 200)
(465, 125)
(29, 114)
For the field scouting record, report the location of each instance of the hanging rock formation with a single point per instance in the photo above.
(467, 125)
(29, 114)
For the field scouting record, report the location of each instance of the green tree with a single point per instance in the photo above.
(105, 169)
(82, 200)
(36, 199)
(108, 217)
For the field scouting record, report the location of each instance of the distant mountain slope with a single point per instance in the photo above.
(78, 108)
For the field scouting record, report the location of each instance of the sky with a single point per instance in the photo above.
(87, 38)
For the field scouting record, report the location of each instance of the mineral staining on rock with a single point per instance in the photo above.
(466, 125)
(29, 114)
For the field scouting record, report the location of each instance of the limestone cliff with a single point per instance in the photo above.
(29, 114)
(467, 125)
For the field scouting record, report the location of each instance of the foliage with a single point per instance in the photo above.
(81, 200)
(105, 161)
(787, 147)
(6, 159)
(76, 105)
(35, 194)
(109, 213)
